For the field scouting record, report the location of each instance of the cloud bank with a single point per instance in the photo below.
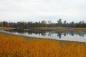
(25, 8)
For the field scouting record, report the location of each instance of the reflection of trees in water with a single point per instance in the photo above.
(65, 33)
(30, 32)
(59, 35)
(81, 34)
(71, 33)
(37, 32)
(43, 33)
(49, 33)
(19, 31)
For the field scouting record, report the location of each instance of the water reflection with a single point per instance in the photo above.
(51, 33)
(59, 34)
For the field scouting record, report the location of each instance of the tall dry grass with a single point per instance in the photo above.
(18, 46)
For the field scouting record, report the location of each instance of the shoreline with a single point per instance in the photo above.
(19, 46)
(41, 38)
(57, 29)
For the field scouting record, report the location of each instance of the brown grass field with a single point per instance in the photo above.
(19, 46)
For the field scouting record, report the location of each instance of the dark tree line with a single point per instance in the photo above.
(28, 25)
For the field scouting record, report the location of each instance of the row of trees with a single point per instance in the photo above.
(27, 25)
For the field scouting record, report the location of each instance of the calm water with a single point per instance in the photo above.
(70, 36)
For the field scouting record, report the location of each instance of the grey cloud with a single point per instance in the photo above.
(42, 7)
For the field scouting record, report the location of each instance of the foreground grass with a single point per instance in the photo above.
(18, 46)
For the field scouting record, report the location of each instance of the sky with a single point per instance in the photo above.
(37, 10)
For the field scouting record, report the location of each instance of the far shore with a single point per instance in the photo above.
(57, 29)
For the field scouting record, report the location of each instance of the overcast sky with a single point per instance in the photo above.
(36, 10)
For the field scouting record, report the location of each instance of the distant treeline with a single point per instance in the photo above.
(27, 25)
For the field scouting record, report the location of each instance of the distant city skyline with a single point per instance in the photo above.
(37, 10)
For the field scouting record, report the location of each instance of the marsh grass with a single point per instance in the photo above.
(19, 46)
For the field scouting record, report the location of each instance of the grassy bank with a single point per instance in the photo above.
(18, 46)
